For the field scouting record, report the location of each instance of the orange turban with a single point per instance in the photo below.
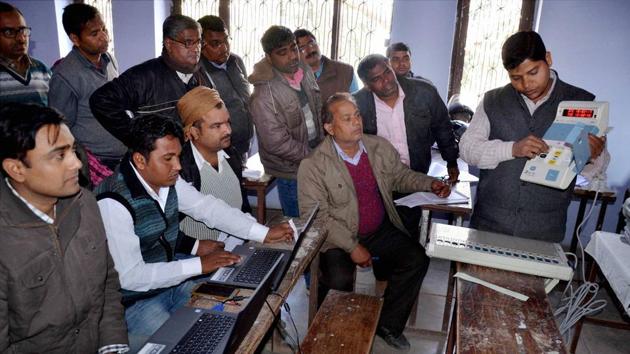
(194, 104)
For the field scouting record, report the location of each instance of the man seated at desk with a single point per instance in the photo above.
(506, 131)
(140, 206)
(352, 177)
(208, 159)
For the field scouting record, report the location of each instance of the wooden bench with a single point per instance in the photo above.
(345, 323)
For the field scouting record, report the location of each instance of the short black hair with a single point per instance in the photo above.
(522, 46)
(75, 16)
(145, 130)
(299, 33)
(327, 115)
(6, 7)
(276, 37)
(397, 47)
(212, 23)
(19, 124)
(368, 63)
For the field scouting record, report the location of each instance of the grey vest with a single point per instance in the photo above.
(505, 204)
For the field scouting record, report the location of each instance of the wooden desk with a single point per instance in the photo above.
(486, 321)
(260, 187)
(310, 248)
(584, 196)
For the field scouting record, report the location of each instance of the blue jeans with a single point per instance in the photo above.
(148, 315)
(287, 190)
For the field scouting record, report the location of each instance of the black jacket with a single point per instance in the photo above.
(426, 121)
(150, 87)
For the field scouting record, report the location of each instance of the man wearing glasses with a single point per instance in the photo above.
(155, 86)
(229, 77)
(22, 78)
(332, 76)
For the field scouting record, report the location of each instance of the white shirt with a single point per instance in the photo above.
(200, 161)
(390, 124)
(124, 245)
(477, 150)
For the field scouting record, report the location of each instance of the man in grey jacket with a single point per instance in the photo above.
(58, 287)
(352, 177)
(286, 107)
(87, 67)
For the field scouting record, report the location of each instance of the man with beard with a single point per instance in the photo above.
(22, 78)
(332, 76)
(286, 107)
(87, 67)
(229, 78)
(154, 86)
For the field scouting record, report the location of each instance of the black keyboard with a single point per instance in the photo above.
(257, 266)
(206, 334)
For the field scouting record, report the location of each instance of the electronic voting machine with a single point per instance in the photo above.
(494, 250)
(568, 143)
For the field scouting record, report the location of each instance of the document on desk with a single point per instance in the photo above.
(229, 241)
(427, 198)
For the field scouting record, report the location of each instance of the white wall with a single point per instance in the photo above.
(40, 16)
(589, 41)
(428, 28)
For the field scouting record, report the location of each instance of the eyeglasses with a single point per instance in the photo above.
(9, 32)
(310, 44)
(189, 43)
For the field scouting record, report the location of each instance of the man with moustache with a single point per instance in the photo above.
(208, 160)
(58, 287)
(140, 206)
(22, 78)
(332, 76)
(154, 86)
(87, 67)
(229, 77)
(410, 114)
(399, 55)
(352, 176)
(286, 107)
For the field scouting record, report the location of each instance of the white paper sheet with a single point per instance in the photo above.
(426, 198)
(502, 290)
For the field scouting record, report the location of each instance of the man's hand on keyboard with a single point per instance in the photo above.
(208, 246)
(279, 233)
(216, 260)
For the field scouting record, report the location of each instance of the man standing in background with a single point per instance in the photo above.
(87, 67)
(22, 78)
(229, 77)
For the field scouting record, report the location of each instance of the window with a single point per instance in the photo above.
(482, 27)
(345, 29)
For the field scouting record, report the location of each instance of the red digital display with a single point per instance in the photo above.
(578, 113)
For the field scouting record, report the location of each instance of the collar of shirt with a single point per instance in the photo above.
(184, 77)
(200, 161)
(104, 60)
(220, 66)
(531, 105)
(297, 79)
(159, 197)
(351, 160)
(320, 70)
(10, 66)
(40, 214)
(399, 101)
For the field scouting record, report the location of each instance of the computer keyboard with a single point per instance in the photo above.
(257, 266)
(204, 336)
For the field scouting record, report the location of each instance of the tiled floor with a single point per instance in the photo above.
(425, 336)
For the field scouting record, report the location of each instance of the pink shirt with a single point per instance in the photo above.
(390, 124)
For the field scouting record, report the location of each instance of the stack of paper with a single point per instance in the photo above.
(254, 169)
(427, 198)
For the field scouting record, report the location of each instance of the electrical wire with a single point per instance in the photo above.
(581, 302)
(295, 342)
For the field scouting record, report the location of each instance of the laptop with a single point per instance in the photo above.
(200, 331)
(257, 259)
